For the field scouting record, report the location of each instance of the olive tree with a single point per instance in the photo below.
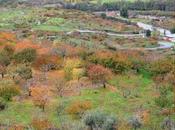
(25, 72)
(100, 120)
(135, 122)
(25, 56)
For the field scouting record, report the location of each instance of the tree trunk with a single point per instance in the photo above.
(104, 85)
(91, 127)
(2, 75)
(174, 98)
(43, 108)
(30, 93)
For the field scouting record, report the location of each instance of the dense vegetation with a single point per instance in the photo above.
(92, 5)
(73, 70)
(168, 5)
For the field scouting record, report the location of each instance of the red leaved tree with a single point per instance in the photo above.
(99, 74)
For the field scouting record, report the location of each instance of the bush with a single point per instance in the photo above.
(78, 73)
(168, 124)
(8, 89)
(148, 33)
(135, 122)
(103, 15)
(169, 78)
(25, 56)
(4, 59)
(11, 71)
(99, 120)
(110, 123)
(40, 124)
(8, 50)
(165, 98)
(70, 65)
(25, 72)
(78, 108)
(173, 30)
(162, 66)
(124, 12)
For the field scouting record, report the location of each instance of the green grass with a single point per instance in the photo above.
(114, 102)
(148, 21)
(141, 87)
(13, 13)
(132, 81)
(142, 92)
(34, 18)
(55, 21)
(18, 113)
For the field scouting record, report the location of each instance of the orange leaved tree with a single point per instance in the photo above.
(40, 96)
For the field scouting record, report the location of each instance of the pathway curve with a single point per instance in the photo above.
(163, 44)
(107, 33)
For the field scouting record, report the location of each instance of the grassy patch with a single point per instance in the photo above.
(18, 113)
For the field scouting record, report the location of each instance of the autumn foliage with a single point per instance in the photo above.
(162, 66)
(68, 50)
(48, 62)
(17, 127)
(73, 68)
(99, 74)
(77, 108)
(40, 96)
(24, 44)
(40, 124)
(7, 38)
(117, 62)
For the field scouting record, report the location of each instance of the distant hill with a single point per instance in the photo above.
(97, 5)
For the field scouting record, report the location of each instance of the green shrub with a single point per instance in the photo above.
(124, 12)
(148, 33)
(8, 89)
(100, 120)
(25, 56)
(8, 50)
(6, 55)
(173, 30)
(165, 98)
(25, 72)
(103, 15)
(4, 59)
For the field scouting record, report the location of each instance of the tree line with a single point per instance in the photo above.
(164, 5)
(168, 5)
